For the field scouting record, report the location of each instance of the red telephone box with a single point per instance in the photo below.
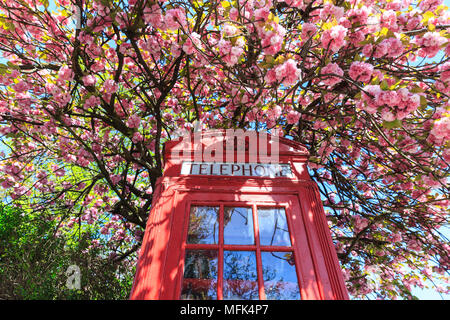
(226, 223)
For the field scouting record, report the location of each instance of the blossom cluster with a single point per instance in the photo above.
(393, 104)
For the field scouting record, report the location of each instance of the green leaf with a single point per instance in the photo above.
(384, 85)
(427, 16)
(416, 89)
(314, 159)
(392, 124)
(3, 68)
(423, 101)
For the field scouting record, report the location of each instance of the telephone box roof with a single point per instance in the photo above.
(207, 138)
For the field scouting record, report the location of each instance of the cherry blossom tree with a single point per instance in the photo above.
(91, 89)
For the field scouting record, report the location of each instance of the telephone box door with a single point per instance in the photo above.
(240, 246)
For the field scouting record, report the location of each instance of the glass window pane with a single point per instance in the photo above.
(238, 225)
(204, 225)
(280, 277)
(240, 276)
(273, 228)
(200, 275)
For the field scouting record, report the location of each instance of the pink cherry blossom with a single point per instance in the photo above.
(271, 76)
(429, 5)
(308, 30)
(367, 50)
(292, 117)
(65, 73)
(288, 73)
(153, 16)
(262, 13)
(360, 223)
(272, 39)
(387, 115)
(110, 86)
(445, 72)
(137, 137)
(175, 18)
(193, 42)
(356, 38)
(430, 44)
(229, 30)
(441, 130)
(359, 15)
(329, 69)
(224, 46)
(21, 86)
(115, 178)
(89, 80)
(381, 49)
(134, 121)
(361, 71)
(389, 20)
(330, 11)
(234, 13)
(389, 97)
(334, 38)
(92, 101)
(395, 47)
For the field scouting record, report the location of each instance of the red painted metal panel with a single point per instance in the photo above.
(147, 282)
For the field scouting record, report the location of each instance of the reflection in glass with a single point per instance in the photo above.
(238, 225)
(240, 276)
(203, 225)
(200, 275)
(273, 228)
(280, 278)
